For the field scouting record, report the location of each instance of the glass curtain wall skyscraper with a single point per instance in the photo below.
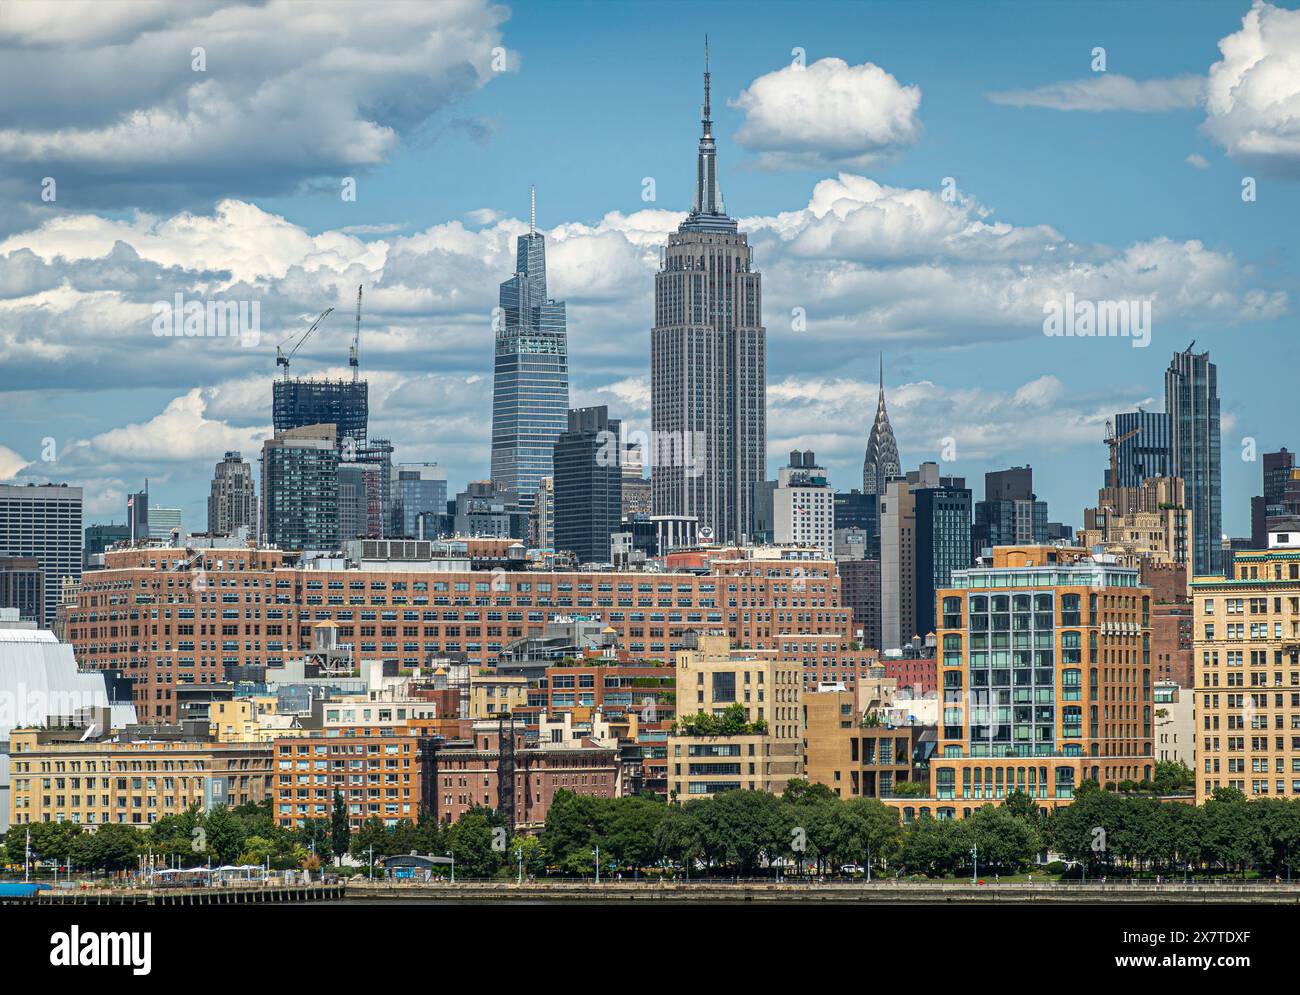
(708, 364)
(1192, 403)
(530, 394)
(1144, 455)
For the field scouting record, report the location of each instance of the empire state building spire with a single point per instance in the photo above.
(708, 211)
(708, 349)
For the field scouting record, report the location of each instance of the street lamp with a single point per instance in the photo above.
(975, 864)
(519, 852)
(597, 853)
(453, 866)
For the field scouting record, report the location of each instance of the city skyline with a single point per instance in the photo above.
(875, 211)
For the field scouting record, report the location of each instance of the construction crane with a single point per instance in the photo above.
(281, 359)
(356, 340)
(1113, 442)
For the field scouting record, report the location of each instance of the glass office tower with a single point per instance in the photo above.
(1192, 404)
(530, 396)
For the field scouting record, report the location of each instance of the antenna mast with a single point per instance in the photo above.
(353, 361)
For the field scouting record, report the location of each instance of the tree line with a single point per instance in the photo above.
(806, 830)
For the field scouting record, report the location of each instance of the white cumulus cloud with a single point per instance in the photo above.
(828, 114)
(1253, 97)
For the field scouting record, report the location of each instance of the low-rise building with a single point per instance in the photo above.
(763, 750)
(492, 694)
(853, 752)
(495, 767)
(58, 776)
(1175, 724)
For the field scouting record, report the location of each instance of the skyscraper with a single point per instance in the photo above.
(1010, 514)
(137, 514)
(101, 537)
(232, 503)
(300, 490)
(44, 523)
(943, 543)
(1192, 403)
(898, 555)
(22, 586)
(345, 404)
(418, 489)
(361, 514)
(708, 363)
(588, 484)
(1280, 500)
(803, 505)
(1145, 454)
(541, 520)
(377, 453)
(530, 392)
(164, 523)
(881, 463)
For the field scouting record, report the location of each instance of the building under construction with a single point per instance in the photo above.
(345, 404)
(342, 403)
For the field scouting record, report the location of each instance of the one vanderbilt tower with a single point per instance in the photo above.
(708, 363)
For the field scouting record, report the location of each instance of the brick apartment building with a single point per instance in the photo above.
(1171, 622)
(165, 616)
(458, 775)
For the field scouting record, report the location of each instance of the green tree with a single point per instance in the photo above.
(1006, 843)
(741, 827)
(257, 850)
(933, 847)
(315, 836)
(534, 854)
(372, 837)
(223, 832)
(679, 837)
(575, 825)
(811, 833)
(340, 829)
(111, 847)
(1173, 777)
(49, 840)
(1021, 804)
(470, 841)
(630, 831)
(1231, 836)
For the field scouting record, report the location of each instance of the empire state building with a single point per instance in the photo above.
(708, 363)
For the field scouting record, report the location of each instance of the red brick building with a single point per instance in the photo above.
(166, 616)
(1171, 623)
(919, 674)
(460, 775)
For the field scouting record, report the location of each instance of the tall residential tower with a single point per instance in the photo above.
(1192, 404)
(708, 363)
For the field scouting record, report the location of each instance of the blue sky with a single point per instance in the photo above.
(226, 183)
